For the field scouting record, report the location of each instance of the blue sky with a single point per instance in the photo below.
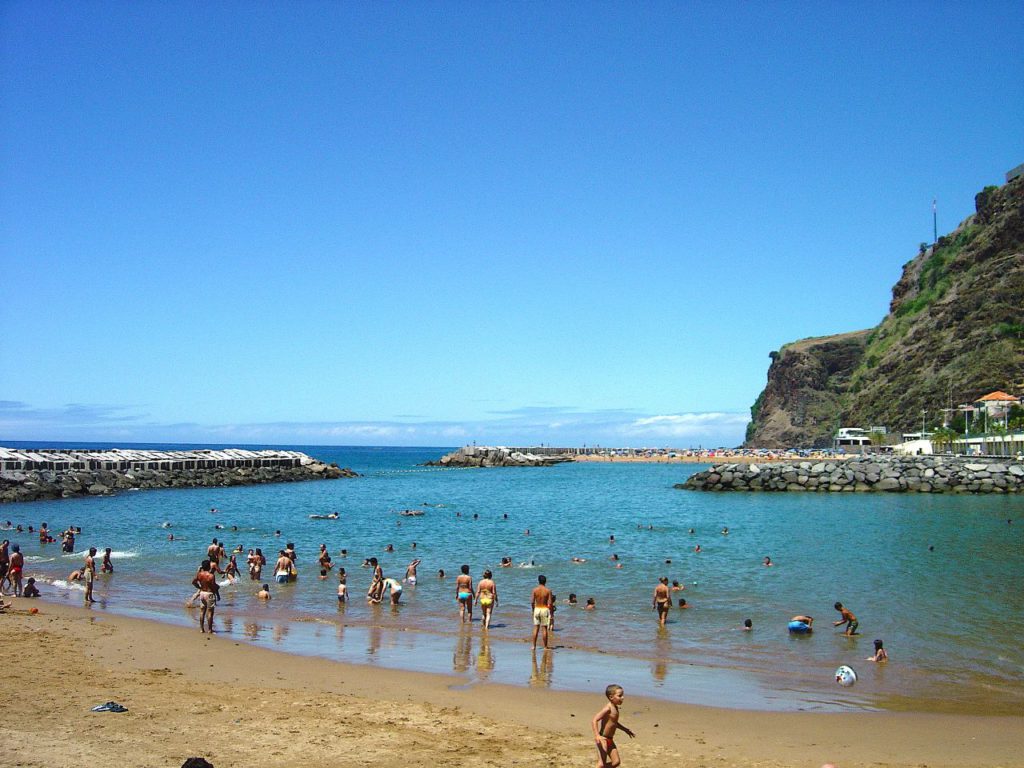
(432, 223)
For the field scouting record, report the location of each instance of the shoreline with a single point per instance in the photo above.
(255, 704)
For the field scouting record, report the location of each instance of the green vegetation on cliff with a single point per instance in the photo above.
(955, 331)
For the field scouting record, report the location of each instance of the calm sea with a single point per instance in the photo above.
(939, 578)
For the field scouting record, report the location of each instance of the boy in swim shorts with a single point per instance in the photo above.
(604, 724)
(847, 618)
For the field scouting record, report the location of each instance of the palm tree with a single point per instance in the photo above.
(942, 437)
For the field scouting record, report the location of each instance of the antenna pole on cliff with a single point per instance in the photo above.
(935, 223)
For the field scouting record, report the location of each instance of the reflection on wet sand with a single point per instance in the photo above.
(253, 630)
(463, 650)
(280, 631)
(374, 636)
(662, 651)
(541, 675)
(484, 659)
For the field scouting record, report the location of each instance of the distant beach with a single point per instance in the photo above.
(710, 457)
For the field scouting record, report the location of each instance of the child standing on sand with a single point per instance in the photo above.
(604, 724)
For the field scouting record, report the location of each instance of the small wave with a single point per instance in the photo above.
(99, 553)
(63, 584)
(38, 559)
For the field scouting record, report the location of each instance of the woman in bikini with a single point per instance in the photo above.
(464, 593)
(486, 597)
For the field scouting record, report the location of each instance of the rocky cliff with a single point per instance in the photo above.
(954, 332)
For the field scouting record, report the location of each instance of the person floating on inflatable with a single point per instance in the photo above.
(801, 625)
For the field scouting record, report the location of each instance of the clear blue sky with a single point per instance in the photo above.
(432, 223)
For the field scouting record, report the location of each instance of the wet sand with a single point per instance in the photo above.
(235, 704)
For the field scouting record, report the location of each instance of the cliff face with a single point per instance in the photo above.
(955, 331)
(806, 384)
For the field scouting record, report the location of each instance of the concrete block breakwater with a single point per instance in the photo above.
(920, 474)
(33, 475)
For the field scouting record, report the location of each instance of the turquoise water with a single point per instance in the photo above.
(950, 618)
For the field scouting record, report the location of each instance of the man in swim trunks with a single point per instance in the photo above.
(847, 618)
(464, 594)
(89, 571)
(206, 583)
(486, 597)
(410, 571)
(284, 567)
(213, 553)
(662, 600)
(107, 567)
(540, 603)
(14, 571)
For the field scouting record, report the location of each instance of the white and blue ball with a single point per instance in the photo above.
(845, 676)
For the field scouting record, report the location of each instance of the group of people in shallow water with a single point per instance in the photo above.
(12, 563)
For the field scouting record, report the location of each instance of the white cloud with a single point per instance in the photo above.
(688, 425)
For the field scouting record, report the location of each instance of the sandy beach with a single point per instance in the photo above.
(189, 694)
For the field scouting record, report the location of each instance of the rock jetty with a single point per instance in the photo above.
(485, 456)
(38, 475)
(917, 474)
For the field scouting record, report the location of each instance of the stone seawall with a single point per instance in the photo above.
(484, 456)
(39, 484)
(920, 474)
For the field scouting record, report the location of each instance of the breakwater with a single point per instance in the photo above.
(918, 474)
(54, 474)
(487, 456)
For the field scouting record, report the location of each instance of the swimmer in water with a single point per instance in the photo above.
(410, 572)
(767, 562)
(880, 653)
(661, 601)
(342, 586)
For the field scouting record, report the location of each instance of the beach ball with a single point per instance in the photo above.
(845, 676)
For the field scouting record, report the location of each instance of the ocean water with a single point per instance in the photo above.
(939, 578)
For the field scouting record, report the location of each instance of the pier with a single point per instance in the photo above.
(33, 475)
(119, 459)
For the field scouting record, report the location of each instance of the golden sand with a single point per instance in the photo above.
(190, 694)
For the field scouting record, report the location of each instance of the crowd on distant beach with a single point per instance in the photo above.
(710, 455)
